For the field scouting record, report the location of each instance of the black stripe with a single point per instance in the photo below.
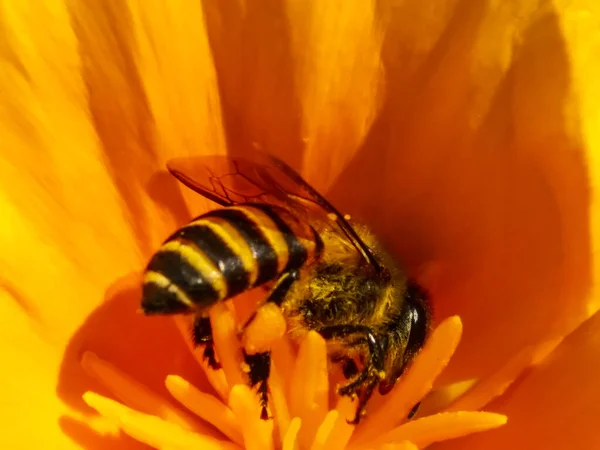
(159, 300)
(297, 252)
(222, 256)
(262, 251)
(183, 275)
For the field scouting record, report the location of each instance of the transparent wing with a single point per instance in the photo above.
(263, 178)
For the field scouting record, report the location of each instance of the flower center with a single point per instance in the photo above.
(302, 411)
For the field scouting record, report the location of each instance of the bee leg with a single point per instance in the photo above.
(259, 367)
(413, 411)
(349, 368)
(282, 287)
(373, 370)
(278, 293)
(363, 399)
(202, 335)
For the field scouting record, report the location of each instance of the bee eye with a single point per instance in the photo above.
(419, 318)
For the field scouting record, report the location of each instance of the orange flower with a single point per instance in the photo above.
(465, 134)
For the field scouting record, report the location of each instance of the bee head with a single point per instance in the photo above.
(413, 325)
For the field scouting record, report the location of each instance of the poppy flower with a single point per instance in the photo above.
(465, 135)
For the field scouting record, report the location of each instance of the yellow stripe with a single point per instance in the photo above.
(234, 240)
(270, 232)
(160, 280)
(199, 261)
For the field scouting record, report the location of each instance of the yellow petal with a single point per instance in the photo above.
(79, 197)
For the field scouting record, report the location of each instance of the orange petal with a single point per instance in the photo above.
(403, 445)
(340, 80)
(494, 385)
(556, 406)
(481, 163)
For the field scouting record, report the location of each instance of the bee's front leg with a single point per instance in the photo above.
(202, 335)
(373, 371)
(349, 368)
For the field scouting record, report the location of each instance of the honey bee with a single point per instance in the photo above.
(274, 230)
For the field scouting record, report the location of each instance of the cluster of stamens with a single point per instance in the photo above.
(302, 411)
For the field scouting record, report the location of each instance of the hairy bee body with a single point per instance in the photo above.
(337, 289)
(223, 253)
(274, 230)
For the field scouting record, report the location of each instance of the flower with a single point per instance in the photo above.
(466, 133)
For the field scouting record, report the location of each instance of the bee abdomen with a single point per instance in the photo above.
(219, 255)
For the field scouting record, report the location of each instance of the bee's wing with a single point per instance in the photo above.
(224, 180)
(262, 178)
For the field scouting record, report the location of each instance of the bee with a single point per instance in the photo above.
(274, 230)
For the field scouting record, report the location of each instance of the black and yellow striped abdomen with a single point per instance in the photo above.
(224, 253)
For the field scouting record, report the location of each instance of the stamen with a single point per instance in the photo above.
(258, 434)
(325, 430)
(152, 430)
(494, 385)
(277, 389)
(440, 398)
(206, 407)
(341, 431)
(440, 427)
(226, 342)
(136, 395)
(309, 398)
(298, 398)
(284, 358)
(415, 384)
(290, 439)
